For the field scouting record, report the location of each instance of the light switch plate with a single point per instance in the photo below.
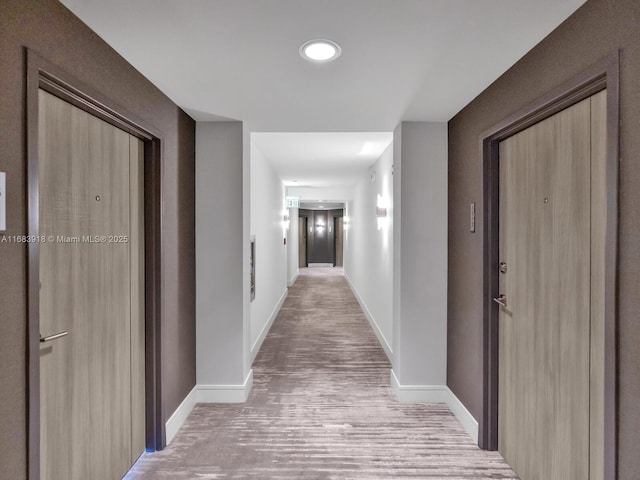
(3, 202)
(472, 223)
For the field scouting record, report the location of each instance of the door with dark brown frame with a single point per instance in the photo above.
(302, 242)
(339, 236)
(91, 269)
(551, 321)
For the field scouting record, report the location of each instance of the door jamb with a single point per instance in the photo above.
(603, 74)
(41, 74)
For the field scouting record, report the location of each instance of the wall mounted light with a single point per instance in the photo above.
(286, 221)
(381, 211)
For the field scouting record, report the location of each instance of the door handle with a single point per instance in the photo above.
(501, 300)
(53, 337)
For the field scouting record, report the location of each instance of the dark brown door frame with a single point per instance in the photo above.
(604, 74)
(305, 220)
(41, 74)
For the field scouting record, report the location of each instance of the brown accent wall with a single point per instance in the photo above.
(49, 29)
(595, 30)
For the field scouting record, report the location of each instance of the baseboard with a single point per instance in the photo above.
(311, 265)
(267, 326)
(372, 321)
(226, 393)
(463, 415)
(180, 415)
(436, 394)
(207, 394)
(293, 280)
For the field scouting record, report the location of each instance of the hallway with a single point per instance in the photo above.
(321, 408)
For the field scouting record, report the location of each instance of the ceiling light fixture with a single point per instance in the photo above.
(320, 51)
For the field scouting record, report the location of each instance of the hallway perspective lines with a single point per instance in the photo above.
(321, 408)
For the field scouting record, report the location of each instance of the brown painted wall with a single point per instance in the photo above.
(594, 31)
(52, 31)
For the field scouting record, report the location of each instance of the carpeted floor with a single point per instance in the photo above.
(321, 408)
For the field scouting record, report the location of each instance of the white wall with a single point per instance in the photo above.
(420, 253)
(368, 251)
(292, 247)
(220, 251)
(267, 208)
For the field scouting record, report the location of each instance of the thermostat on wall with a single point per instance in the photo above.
(3, 202)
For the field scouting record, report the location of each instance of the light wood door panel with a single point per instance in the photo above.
(85, 289)
(302, 242)
(339, 241)
(545, 330)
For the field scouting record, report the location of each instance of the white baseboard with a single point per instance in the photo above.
(311, 265)
(206, 394)
(180, 415)
(226, 393)
(374, 325)
(464, 416)
(267, 326)
(436, 394)
(293, 280)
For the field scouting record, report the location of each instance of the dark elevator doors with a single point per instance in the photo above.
(320, 229)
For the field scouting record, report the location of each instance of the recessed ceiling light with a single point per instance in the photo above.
(320, 51)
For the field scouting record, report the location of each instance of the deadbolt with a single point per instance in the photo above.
(503, 267)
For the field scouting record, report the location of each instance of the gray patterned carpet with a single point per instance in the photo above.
(321, 409)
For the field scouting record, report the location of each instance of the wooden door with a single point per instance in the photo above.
(339, 240)
(550, 230)
(302, 242)
(91, 286)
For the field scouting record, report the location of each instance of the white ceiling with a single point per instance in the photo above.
(401, 60)
(321, 205)
(321, 159)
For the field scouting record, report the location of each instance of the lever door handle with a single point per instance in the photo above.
(53, 337)
(501, 300)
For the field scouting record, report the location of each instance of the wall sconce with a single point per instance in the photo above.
(381, 211)
(285, 222)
